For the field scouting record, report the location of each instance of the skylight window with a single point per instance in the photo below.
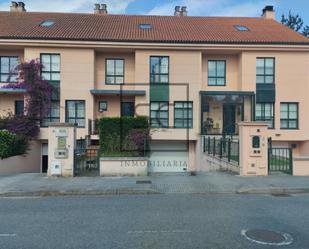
(145, 26)
(47, 24)
(241, 28)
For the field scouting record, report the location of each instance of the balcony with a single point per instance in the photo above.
(12, 91)
(117, 92)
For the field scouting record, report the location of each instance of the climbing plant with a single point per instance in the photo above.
(38, 94)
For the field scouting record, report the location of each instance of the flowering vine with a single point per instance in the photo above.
(38, 94)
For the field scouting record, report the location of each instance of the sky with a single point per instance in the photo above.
(166, 7)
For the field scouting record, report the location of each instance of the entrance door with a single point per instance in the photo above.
(44, 158)
(127, 109)
(229, 118)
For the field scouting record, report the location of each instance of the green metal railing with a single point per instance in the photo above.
(280, 159)
(222, 148)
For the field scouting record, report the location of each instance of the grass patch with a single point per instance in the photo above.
(275, 160)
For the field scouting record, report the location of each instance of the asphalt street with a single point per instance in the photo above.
(150, 221)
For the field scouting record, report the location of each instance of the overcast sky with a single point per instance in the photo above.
(166, 7)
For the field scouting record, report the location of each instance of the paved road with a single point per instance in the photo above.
(155, 221)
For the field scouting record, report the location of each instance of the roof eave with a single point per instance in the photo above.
(161, 41)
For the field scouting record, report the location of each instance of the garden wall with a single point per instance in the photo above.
(123, 166)
(29, 163)
(215, 164)
(301, 166)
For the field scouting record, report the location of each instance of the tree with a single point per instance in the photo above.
(306, 31)
(296, 23)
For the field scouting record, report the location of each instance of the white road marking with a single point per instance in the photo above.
(7, 234)
(288, 239)
(158, 231)
(20, 197)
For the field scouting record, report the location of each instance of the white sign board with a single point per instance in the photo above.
(61, 132)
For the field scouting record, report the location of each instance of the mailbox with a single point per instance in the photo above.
(256, 146)
(61, 153)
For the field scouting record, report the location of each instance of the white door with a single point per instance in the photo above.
(168, 156)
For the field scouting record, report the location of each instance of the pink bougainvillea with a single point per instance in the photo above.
(140, 137)
(38, 93)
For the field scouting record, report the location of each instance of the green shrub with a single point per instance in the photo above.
(4, 120)
(11, 144)
(123, 134)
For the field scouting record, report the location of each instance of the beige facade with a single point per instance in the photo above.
(83, 77)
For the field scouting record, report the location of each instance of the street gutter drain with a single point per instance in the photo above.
(143, 182)
(267, 237)
(280, 195)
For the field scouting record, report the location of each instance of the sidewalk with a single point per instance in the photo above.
(202, 183)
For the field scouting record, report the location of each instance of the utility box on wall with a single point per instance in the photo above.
(61, 145)
(253, 148)
(55, 168)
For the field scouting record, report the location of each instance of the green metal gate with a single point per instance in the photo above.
(280, 160)
(86, 162)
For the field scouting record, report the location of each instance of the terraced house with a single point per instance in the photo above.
(193, 76)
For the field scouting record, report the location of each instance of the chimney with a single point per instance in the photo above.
(17, 7)
(103, 8)
(184, 11)
(177, 11)
(100, 9)
(269, 12)
(97, 8)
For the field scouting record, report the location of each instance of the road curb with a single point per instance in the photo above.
(128, 191)
(274, 191)
(77, 192)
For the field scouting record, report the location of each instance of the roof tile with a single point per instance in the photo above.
(166, 29)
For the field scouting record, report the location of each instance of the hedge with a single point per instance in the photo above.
(11, 144)
(119, 133)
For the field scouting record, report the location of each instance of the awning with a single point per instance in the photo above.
(118, 92)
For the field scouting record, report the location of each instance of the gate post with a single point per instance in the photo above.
(61, 146)
(253, 148)
(291, 160)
